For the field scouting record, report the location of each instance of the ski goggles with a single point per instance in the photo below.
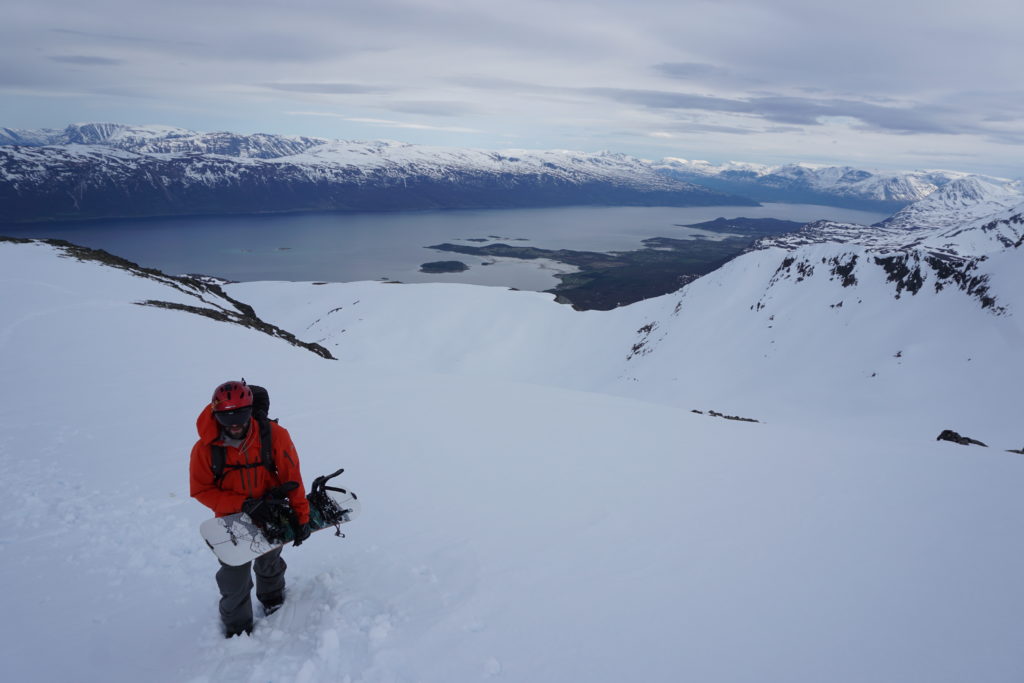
(233, 418)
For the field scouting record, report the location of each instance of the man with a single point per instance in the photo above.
(247, 483)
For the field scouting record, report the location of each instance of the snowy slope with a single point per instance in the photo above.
(960, 202)
(998, 230)
(735, 340)
(994, 232)
(21, 136)
(407, 159)
(536, 507)
(838, 330)
(856, 182)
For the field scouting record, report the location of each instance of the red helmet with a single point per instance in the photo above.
(231, 396)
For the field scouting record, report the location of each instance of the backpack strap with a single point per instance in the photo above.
(218, 454)
(266, 452)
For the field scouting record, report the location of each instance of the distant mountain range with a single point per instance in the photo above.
(109, 171)
(163, 140)
(817, 184)
(106, 170)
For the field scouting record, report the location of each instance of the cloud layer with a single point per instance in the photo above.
(873, 83)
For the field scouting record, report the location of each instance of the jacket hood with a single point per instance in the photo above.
(206, 426)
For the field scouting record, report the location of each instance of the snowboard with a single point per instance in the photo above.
(236, 539)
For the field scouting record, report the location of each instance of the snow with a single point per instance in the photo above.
(745, 339)
(116, 133)
(707, 168)
(322, 159)
(536, 507)
(324, 156)
(438, 162)
(842, 181)
(969, 226)
(220, 159)
(959, 203)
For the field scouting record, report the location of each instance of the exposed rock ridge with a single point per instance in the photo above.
(211, 300)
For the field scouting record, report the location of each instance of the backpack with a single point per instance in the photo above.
(260, 409)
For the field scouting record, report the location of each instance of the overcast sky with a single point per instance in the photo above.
(894, 84)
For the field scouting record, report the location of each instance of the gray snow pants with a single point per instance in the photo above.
(235, 585)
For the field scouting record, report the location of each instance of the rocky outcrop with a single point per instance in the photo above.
(950, 435)
(938, 258)
(715, 413)
(210, 299)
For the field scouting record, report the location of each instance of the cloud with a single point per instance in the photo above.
(125, 92)
(800, 111)
(679, 130)
(791, 114)
(789, 75)
(101, 36)
(498, 84)
(431, 108)
(326, 88)
(411, 125)
(86, 60)
(121, 39)
(699, 72)
(660, 99)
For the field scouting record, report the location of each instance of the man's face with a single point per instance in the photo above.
(235, 422)
(237, 431)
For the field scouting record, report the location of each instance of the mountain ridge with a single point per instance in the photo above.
(818, 183)
(959, 202)
(155, 171)
(75, 173)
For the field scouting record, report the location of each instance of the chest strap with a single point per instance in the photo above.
(218, 456)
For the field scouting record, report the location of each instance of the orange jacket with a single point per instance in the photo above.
(238, 484)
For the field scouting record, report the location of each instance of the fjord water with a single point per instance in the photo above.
(372, 246)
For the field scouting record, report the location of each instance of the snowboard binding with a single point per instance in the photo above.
(278, 521)
(324, 511)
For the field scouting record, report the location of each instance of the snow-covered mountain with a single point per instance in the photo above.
(541, 501)
(842, 283)
(155, 139)
(108, 170)
(814, 183)
(960, 202)
(30, 138)
(82, 171)
(163, 140)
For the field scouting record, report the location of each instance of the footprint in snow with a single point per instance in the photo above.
(492, 667)
(380, 630)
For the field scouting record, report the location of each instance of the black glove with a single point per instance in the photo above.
(302, 532)
(265, 510)
(269, 508)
